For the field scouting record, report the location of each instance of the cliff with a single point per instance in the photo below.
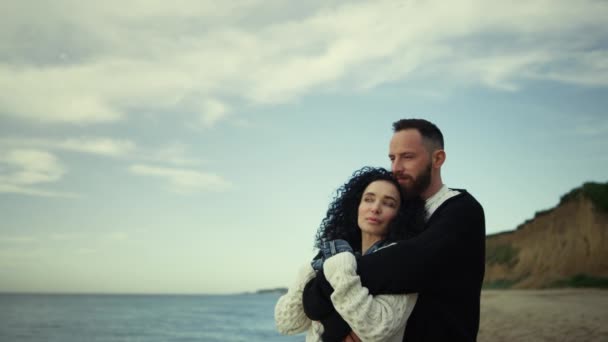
(563, 246)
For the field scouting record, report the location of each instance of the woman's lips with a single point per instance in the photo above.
(373, 220)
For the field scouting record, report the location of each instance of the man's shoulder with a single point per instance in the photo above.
(462, 200)
(462, 211)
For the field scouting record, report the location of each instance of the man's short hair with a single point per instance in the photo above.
(430, 133)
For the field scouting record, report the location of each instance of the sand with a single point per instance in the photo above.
(544, 315)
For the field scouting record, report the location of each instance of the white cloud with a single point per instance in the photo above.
(24, 165)
(592, 127)
(101, 146)
(91, 145)
(11, 188)
(32, 166)
(84, 63)
(85, 251)
(175, 153)
(118, 236)
(500, 71)
(584, 68)
(65, 236)
(22, 170)
(56, 93)
(20, 239)
(184, 180)
(212, 112)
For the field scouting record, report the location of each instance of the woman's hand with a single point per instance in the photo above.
(352, 337)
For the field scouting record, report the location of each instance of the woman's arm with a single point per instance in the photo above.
(372, 318)
(289, 313)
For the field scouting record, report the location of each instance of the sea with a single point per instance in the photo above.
(135, 318)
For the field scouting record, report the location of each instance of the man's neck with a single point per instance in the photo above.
(433, 188)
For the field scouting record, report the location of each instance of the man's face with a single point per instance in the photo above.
(410, 161)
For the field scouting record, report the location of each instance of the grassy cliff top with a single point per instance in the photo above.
(596, 192)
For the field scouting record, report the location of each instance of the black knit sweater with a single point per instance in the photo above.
(444, 264)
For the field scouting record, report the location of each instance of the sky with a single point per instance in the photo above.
(193, 146)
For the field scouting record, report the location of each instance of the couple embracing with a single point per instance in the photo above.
(401, 255)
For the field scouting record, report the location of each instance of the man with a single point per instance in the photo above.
(445, 263)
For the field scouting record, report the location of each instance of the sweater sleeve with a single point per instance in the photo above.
(447, 256)
(315, 332)
(289, 314)
(372, 318)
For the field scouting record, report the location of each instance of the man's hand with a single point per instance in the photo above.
(352, 337)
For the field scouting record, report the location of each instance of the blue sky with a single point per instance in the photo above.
(193, 147)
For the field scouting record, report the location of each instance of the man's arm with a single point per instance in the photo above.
(372, 318)
(450, 249)
(318, 306)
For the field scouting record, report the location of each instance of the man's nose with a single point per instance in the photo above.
(396, 166)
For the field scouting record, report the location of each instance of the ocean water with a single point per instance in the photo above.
(134, 318)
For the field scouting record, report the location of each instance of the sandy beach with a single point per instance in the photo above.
(544, 315)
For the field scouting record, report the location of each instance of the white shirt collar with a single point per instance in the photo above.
(432, 203)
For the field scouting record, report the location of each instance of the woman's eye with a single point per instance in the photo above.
(390, 204)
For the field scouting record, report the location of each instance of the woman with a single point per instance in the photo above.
(368, 213)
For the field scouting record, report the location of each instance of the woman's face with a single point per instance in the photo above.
(378, 207)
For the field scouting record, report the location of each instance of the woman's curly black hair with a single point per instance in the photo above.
(340, 222)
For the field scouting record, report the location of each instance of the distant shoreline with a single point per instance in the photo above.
(119, 294)
(278, 290)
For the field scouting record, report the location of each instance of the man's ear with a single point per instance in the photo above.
(438, 158)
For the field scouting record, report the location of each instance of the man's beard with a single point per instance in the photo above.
(419, 185)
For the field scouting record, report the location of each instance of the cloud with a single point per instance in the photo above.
(11, 188)
(91, 145)
(101, 146)
(184, 180)
(25, 164)
(85, 251)
(212, 112)
(584, 68)
(70, 63)
(175, 153)
(65, 236)
(592, 127)
(23, 169)
(16, 239)
(118, 236)
(33, 166)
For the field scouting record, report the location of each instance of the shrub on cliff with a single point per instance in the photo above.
(596, 192)
(503, 254)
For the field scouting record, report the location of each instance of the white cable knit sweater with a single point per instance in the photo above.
(372, 318)
(289, 313)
